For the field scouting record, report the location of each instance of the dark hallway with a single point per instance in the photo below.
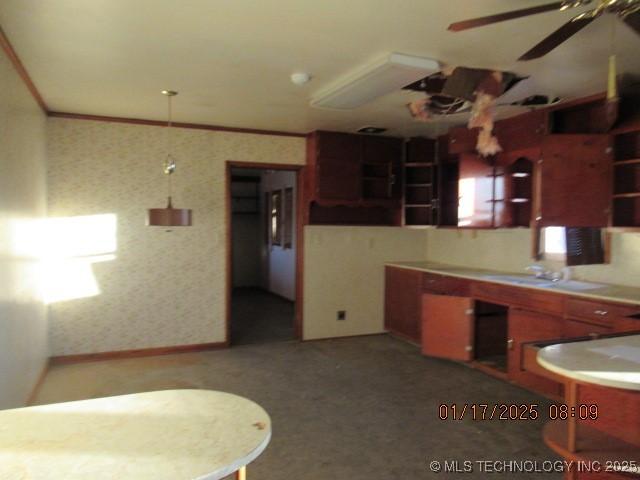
(258, 316)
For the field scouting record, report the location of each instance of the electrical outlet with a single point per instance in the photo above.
(341, 315)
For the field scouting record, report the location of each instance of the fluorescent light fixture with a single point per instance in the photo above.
(389, 73)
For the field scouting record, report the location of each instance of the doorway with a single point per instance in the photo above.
(264, 259)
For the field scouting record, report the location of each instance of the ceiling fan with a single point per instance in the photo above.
(627, 10)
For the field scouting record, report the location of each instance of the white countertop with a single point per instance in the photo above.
(610, 362)
(172, 434)
(606, 292)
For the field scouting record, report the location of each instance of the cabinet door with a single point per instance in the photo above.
(462, 140)
(447, 327)
(382, 167)
(523, 131)
(475, 192)
(338, 166)
(525, 327)
(402, 314)
(573, 181)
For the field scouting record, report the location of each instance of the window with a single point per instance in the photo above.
(276, 217)
(573, 245)
(554, 243)
(288, 218)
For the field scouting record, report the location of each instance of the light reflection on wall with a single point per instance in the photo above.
(66, 248)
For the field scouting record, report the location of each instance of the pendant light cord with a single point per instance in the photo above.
(169, 159)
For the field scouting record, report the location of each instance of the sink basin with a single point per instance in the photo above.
(572, 285)
(577, 286)
(522, 280)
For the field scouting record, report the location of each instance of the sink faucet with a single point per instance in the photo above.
(544, 273)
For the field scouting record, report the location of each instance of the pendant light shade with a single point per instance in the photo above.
(169, 216)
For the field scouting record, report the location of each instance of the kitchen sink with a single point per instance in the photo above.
(572, 285)
(522, 280)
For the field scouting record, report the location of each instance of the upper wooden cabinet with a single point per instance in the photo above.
(420, 182)
(352, 179)
(572, 186)
(338, 173)
(462, 140)
(475, 192)
(523, 131)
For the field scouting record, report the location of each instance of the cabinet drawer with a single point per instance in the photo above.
(598, 312)
(519, 296)
(444, 285)
(575, 328)
(626, 324)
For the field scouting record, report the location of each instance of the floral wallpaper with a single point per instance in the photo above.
(156, 288)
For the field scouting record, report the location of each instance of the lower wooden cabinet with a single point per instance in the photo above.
(403, 303)
(526, 327)
(448, 327)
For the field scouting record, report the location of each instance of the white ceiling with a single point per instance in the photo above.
(231, 59)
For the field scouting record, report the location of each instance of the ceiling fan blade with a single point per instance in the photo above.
(556, 38)
(633, 20)
(501, 17)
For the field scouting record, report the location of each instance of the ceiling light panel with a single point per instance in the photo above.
(388, 74)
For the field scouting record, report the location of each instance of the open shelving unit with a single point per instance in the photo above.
(245, 195)
(420, 183)
(626, 187)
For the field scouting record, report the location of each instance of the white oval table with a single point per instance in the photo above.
(172, 435)
(609, 362)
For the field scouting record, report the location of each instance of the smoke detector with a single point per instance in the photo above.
(372, 130)
(300, 78)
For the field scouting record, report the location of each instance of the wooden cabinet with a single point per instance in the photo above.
(475, 192)
(513, 189)
(352, 179)
(525, 327)
(462, 140)
(403, 303)
(523, 131)
(447, 326)
(573, 181)
(626, 180)
(381, 167)
(338, 172)
(420, 182)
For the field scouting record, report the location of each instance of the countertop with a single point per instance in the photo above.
(610, 362)
(606, 292)
(172, 434)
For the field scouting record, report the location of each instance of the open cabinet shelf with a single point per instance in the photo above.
(420, 182)
(626, 183)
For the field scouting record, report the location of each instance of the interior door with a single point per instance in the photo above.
(447, 327)
(574, 181)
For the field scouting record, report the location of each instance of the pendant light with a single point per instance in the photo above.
(169, 216)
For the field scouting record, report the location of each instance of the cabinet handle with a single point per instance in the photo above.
(602, 313)
(510, 344)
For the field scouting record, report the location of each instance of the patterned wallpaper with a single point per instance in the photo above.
(160, 288)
